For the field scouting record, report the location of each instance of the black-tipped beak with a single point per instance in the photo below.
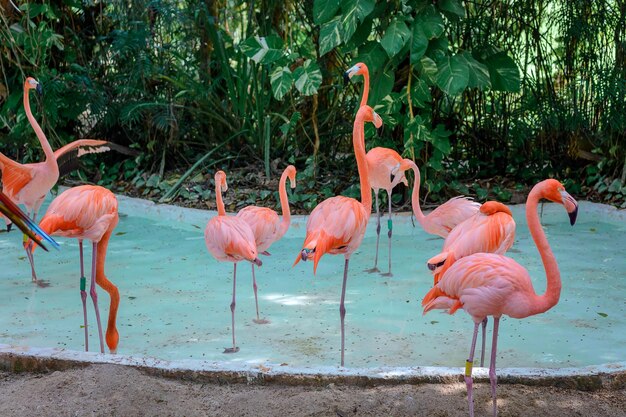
(379, 132)
(9, 226)
(257, 262)
(39, 89)
(346, 78)
(391, 177)
(432, 267)
(572, 216)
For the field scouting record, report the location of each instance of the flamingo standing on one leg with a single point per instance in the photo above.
(382, 164)
(444, 218)
(89, 212)
(21, 220)
(229, 239)
(28, 184)
(337, 225)
(490, 230)
(267, 227)
(487, 284)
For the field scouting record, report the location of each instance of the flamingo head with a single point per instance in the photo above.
(358, 69)
(220, 180)
(555, 191)
(369, 115)
(291, 174)
(32, 83)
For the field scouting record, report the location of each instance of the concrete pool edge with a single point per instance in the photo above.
(28, 359)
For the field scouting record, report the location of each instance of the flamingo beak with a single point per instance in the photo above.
(572, 216)
(39, 89)
(346, 78)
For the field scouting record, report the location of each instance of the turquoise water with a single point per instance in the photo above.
(175, 297)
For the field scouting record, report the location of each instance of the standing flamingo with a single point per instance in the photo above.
(267, 227)
(490, 230)
(28, 184)
(382, 164)
(21, 220)
(337, 225)
(229, 239)
(444, 218)
(488, 284)
(89, 212)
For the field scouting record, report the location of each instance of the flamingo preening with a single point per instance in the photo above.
(337, 225)
(488, 284)
(382, 167)
(88, 212)
(28, 184)
(229, 239)
(267, 227)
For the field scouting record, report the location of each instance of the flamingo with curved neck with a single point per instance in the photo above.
(337, 225)
(444, 218)
(267, 227)
(487, 284)
(382, 164)
(229, 239)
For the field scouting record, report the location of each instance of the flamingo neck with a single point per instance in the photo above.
(112, 336)
(284, 204)
(47, 149)
(550, 298)
(358, 141)
(366, 87)
(415, 196)
(221, 211)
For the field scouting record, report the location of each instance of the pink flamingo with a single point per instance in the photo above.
(337, 225)
(382, 164)
(229, 239)
(28, 184)
(490, 230)
(267, 227)
(488, 284)
(89, 212)
(444, 218)
(21, 220)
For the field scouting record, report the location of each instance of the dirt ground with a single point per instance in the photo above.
(110, 390)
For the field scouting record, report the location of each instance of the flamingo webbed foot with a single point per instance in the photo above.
(231, 350)
(261, 321)
(387, 274)
(372, 270)
(41, 283)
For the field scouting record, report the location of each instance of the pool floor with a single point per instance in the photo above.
(175, 297)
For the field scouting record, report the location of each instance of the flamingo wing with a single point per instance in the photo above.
(15, 176)
(383, 164)
(230, 239)
(264, 223)
(67, 156)
(453, 212)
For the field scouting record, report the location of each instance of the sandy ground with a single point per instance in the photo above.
(110, 390)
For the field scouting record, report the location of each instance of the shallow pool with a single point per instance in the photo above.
(175, 297)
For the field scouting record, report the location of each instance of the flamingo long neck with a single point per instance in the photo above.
(549, 299)
(221, 211)
(415, 196)
(112, 336)
(47, 149)
(358, 141)
(366, 87)
(284, 204)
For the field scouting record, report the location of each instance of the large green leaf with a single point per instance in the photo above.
(353, 12)
(478, 73)
(373, 55)
(308, 78)
(330, 35)
(453, 74)
(437, 48)
(454, 7)
(420, 92)
(281, 81)
(503, 72)
(419, 43)
(324, 10)
(431, 22)
(263, 49)
(382, 84)
(428, 68)
(395, 37)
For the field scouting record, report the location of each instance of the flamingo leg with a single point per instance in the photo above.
(31, 258)
(234, 349)
(342, 309)
(83, 293)
(468, 372)
(258, 320)
(389, 233)
(484, 334)
(94, 295)
(493, 378)
(378, 215)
